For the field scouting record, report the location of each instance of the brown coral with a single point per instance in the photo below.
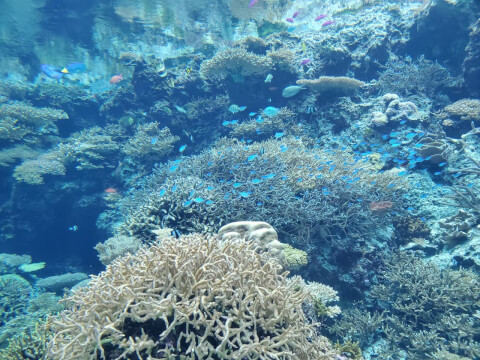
(235, 62)
(464, 110)
(192, 298)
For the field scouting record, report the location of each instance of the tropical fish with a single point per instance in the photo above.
(329, 22)
(270, 111)
(292, 90)
(110, 190)
(154, 140)
(235, 108)
(305, 61)
(252, 114)
(295, 14)
(182, 148)
(320, 17)
(73, 228)
(252, 2)
(73, 68)
(115, 79)
(278, 135)
(51, 71)
(290, 20)
(268, 78)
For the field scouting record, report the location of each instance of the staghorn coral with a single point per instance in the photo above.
(235, 62)
(28, 344)
(186, 298)
(15, 292)
(33, 171)
(338, 84)
(149, 143)
(30, 114)
(93, 148)
(428, 308)
(313, 188)
(115, 247)
(463, 110)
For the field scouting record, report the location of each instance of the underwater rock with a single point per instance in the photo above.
(337, 84)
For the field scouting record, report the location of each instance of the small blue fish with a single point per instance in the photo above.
(259, 120)
(256, 181)
(73, 228)
(162, 192)
(403, 122)
(278, 135)
(237, 185)
(154, 140)
(226, 122)
(233, 122)
(271, 111)
(244, 194)
(192, 192)
(402, 173)
(199, 200)
(410, 135)
(442, 164)
(174, 187)
(187, 203)
(210, 188)
(173, 168)
(209, 202)
(269, 176)
(252, 114)
(251, 157)
(182, 148)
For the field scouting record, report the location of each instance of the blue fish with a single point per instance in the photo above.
(256, 181)
(402, 173)
(199, 200)
(174, 187)
(73, 228)
(191, 193)
(233, 122)
(278, 135)
(410, 135)
(73, 68)
(51, 71)
(187, 203)
(226, 122)
(209, 202)
(162, 192)
(244, 194)
(271, 111)
(237, 185)
(154, 140)
(173, 168)
(251, 157)
(182, 148)
(269, 176)
(252, 114)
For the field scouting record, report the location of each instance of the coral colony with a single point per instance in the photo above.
(238, 180)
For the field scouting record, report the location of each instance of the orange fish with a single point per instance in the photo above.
(116, 79)
(110, 190)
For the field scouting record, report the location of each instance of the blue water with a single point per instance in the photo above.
(351, 127)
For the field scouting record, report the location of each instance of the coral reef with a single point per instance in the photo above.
(235, 62)
(184, 298)
(462, 110)
(429, 308)
(15, 294)
(456, 228)
(117, 246)
(471, 69)
(336, 84)
(232, 181)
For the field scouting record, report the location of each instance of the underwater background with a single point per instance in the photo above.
(164, 163)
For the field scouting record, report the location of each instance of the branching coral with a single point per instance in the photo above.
(192, 298)
(149, 143)
(429, 308)
(235, 62)
(15, 292)
(326, 190)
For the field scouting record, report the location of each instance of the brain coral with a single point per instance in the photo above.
(195, 297)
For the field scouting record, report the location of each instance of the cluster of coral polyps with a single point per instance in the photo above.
(196, 297)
